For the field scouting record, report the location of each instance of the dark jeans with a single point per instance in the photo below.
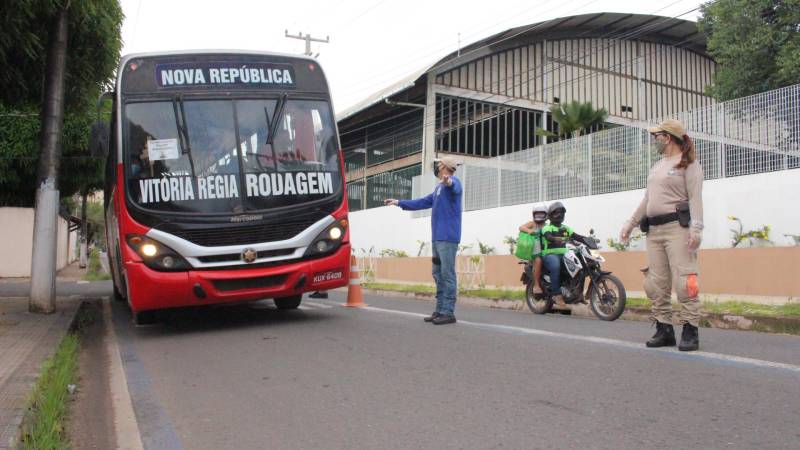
(553, 264)
(444, 274)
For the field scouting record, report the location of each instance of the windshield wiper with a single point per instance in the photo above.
(276, 119)
(269, 142)
(183, 132)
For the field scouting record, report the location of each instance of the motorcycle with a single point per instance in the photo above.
(605, 292)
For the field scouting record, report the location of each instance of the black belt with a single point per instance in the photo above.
(662, 219)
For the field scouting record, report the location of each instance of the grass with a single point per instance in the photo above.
(46, 418)
(725, 307)
(95, 271)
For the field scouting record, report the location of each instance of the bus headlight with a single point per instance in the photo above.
(149, 250)
(329, 240)
(156, 255)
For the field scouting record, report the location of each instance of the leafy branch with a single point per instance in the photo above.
(620, 247)
(512, 243)
(390, 252)
(740, 235)
(485, 249)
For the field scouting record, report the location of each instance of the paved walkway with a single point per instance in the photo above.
(26, 341)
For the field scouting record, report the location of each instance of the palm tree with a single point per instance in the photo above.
(574, 119)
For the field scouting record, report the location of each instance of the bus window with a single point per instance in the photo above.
(304, 141)
(211, 144)
(198, 170)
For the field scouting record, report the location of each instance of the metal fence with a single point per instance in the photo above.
(391, 184)
(751, 135)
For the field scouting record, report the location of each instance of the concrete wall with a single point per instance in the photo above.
(739, 272)
(16, 242)
(763, 199)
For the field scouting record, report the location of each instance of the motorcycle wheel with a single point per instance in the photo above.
(541, 305)
(610, 304)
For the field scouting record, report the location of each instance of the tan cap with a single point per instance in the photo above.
(670, 126)
(448, 161)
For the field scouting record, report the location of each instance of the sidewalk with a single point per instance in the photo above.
(26, 341)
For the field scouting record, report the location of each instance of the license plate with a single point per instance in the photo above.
(330, 275)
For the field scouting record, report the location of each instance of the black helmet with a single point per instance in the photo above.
(540, 213)
(556, 212)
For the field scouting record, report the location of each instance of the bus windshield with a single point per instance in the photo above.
(229, 156)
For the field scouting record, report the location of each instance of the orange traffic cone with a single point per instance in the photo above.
(355, 298)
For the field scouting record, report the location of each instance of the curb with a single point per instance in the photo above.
(19, 421)
(764, 324)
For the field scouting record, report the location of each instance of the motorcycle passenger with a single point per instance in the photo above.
(555, 237)
(534, 228)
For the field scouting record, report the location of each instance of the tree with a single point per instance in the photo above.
(93, 49)
(756, 44)
(574, 119)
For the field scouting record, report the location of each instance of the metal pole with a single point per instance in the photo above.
(84, 231)
(589, 139)
(45, 225)
(722, 140)
(307, 37)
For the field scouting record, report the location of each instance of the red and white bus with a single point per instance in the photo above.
(224, 181)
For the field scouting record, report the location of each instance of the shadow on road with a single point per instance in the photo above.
(203, 319)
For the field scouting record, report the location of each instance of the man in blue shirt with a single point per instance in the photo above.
(445, 201)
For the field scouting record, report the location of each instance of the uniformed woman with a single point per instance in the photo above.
(671, 213)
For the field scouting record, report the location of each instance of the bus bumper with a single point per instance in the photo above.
(149, 289)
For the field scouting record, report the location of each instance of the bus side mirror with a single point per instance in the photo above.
(98, 141)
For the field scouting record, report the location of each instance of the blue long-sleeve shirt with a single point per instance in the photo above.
(446, 214)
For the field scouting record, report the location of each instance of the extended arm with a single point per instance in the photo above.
(417, 204)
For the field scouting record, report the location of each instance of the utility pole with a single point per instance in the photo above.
(45, 225)
(308, 40)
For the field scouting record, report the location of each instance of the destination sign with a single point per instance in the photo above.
(225, 74)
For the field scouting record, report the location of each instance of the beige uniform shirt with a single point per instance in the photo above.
(667, 186)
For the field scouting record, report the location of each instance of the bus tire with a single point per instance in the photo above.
(288, 302)
(118, 295)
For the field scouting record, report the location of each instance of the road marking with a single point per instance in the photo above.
(716, 357)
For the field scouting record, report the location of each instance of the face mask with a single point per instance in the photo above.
(539, 218)
(660, 146)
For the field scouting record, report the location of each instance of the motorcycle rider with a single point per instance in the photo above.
(534, 228)
(555, 236)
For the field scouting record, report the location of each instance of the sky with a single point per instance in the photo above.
(372, 43)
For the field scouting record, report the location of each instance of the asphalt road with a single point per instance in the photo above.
(326, 376)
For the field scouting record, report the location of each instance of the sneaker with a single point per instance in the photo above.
(431, 317)
(444, 319)
(664, 337)
(690, 341)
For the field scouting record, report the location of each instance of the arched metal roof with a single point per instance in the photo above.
(641, 27)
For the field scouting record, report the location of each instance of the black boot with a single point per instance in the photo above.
(690, 341)
(664, 337)
(431, 317)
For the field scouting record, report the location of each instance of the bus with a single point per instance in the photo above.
(224, 181)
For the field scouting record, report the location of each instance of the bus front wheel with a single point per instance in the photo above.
(288, 302)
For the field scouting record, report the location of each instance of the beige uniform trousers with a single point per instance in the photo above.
(670, 264)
